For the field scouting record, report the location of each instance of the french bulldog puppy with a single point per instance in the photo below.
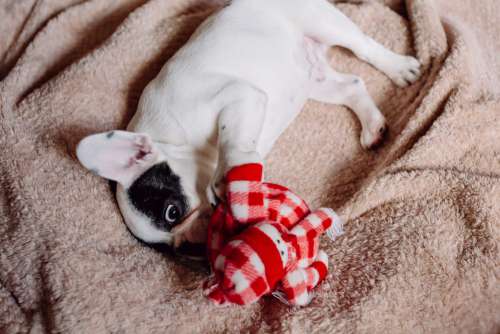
(223, 100)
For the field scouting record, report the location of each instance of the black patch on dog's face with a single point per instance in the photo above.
(157, 190)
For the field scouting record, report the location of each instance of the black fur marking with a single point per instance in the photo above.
(154, 191)
(192, 250)
(110, 134)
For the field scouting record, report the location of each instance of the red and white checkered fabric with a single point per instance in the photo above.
(245, 193)
(250, 200)
(240, 271)
(264, 238)
(297, 284)
(304, 235)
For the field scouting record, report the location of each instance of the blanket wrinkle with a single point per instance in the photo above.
(25, 20)
(420, 251)
(93, 33)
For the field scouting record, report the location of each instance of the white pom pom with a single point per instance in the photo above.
(336, 229)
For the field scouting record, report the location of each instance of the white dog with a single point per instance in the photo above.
(223, 100)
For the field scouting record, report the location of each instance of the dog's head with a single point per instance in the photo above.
(160, 189)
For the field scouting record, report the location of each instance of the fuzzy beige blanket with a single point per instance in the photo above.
(420, 253)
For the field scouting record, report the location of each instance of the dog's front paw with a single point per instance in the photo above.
(403, 70)
(228, 158)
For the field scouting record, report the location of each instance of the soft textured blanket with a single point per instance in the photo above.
(421, 242)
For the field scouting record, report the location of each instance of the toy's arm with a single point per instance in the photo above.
(318, 222)
(285, 207)
(245, 193)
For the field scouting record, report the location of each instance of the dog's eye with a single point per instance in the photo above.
(172, 213)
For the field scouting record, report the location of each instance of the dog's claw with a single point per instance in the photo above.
(404, 70)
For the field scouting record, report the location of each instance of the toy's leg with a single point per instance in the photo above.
(331, 27)
(297, 284)
(240, 123)
(316, 273)
(349, 90)
(295, 287)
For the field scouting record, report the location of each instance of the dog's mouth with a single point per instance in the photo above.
(190, 235)
(185, 224)
(193, 251)
(193, 228)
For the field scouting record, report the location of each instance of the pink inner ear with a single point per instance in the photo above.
(117, 155)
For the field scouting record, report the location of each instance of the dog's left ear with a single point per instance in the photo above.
(120, 156)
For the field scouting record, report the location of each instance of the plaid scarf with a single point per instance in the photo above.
(264, 239)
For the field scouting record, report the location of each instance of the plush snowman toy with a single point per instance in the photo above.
(264, 239)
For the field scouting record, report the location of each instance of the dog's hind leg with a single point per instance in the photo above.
(349, 90)
(323, 22)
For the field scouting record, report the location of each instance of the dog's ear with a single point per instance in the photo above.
(120, 156)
